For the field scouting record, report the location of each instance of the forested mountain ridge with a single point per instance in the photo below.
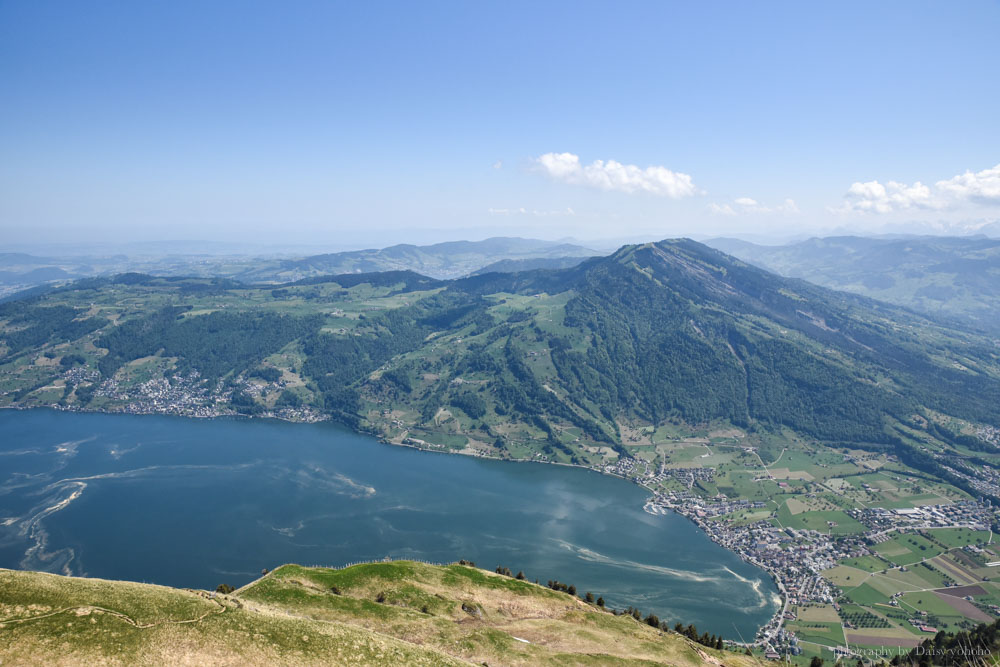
(701, 297)
(956, 277)
(515, 265)
(570, 365)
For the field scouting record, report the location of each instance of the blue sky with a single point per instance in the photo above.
(364, 122)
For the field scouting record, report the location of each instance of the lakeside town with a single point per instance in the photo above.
(801, 560)
(796, 559)
(183, 396)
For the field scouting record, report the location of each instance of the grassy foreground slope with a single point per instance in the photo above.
(434, 615)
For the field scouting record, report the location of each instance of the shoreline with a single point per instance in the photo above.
(776, 620)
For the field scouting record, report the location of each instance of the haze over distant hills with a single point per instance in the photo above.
(251, 264)
(956, 277)
(441, 260)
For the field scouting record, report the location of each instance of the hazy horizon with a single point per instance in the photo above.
(195, 247)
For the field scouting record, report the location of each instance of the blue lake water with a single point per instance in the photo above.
(196, 503)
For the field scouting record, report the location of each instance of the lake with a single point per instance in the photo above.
(196, 503)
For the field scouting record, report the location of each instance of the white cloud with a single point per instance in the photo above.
(613, 175)
(981, 187)
(873, 197)
(744, 205)
(969, 188)
(498, 164)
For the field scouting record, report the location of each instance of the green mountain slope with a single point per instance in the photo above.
(378, 614)
(568, 365)
(951, 277)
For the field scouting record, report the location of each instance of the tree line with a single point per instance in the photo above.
(652, 620)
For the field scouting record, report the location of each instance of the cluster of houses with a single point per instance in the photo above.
(990, 434)
(686, 476)
(188, 396)
(783, 643)
(984, 479)
(794, 558)
(634, 469)
(718, 506)
(80, 374)
(178, 395)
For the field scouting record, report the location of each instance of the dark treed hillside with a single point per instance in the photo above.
(514, 265)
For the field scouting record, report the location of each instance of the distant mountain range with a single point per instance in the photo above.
(442, 260)
(955, 277)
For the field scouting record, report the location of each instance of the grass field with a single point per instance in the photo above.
(846, 576)
(891, 582)
(866, 563)
(818, 632)
(866, 595)
(932, 574)
(834, 522)
(818, 612)
(907, 548)
(926, 601)
(952, 538)
(910, 580)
